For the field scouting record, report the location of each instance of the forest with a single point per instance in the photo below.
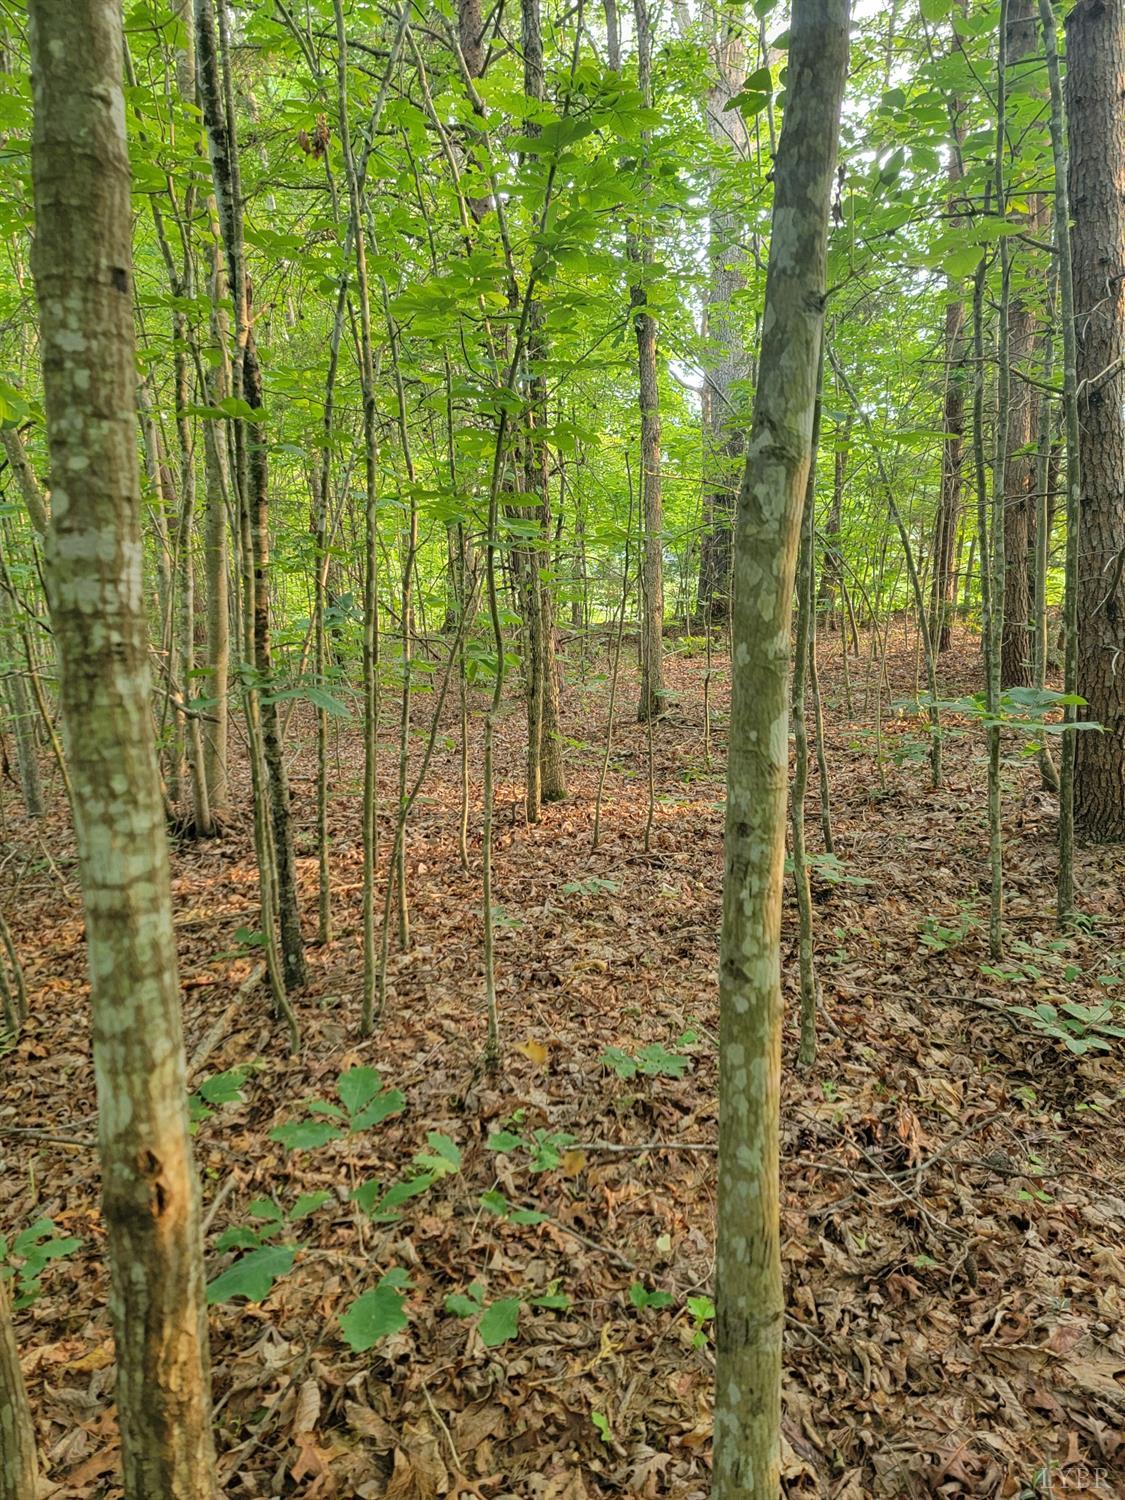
(562, 749)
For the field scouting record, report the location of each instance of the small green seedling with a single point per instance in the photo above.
(365, 1103)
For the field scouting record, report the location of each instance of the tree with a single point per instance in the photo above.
(728, 366)
(1023, 419)
(18, 1460)
(749, 1294)
(652, 480)
(82, 263)
(1095, 87)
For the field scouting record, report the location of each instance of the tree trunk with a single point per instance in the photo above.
(1095, 95)
(728, 365)
(943, 581)
(652, 501)
(84, 287)
(1016, 655)
(546, 778)
(19, 1462)
(749, 1291)
(23, 726)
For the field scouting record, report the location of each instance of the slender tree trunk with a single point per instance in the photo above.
(1065, 888)
(273, 833)
(19, 1464)
(546, 780)
(1095, 102)
(728, 363)
(803, 645)
(84, 287)
(943, 580)
(750, 1295)
(294, 964)
(23, 726)
(1016, 653)
(218, 494)
(652, 497)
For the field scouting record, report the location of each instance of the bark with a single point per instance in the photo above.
(84, 288)
(1095, 106)
(23, 725)
(217, 489)
(832, 569)
(651, 703)
(273, 834)
(749, 1291)
(1016, 653)
(729, 364)
(943, 580)
(257, 500)
(19, 1462)
(546, 778)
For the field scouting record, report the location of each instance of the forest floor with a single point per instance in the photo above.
(953, 1181)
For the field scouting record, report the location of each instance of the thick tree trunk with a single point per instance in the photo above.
(1095, 104)
(84, 287)
(750, 1295)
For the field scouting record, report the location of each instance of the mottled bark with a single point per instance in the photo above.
(1095, 106)
(84, 287)
(728, 363)
(749, 1290)
(18, 1459)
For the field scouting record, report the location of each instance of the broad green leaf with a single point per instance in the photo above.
(252, 1276)
(374, 1316)
(499, 1322)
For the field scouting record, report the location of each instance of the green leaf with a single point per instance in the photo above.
(358, 1087)
(444, 1156)
(499, 1322)
(306, 1204)
(374, 1316)
(641, 1297)
(503, 1140)
(306, 1135)
(266, 1209)
(389, 1102)
(462, 1306)
(253, 1275)
(240, 1237)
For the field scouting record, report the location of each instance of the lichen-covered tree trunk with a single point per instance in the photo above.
(749, 1292)
(84, 286)
(728, 364)
(18, 1461)
(1095, 106)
